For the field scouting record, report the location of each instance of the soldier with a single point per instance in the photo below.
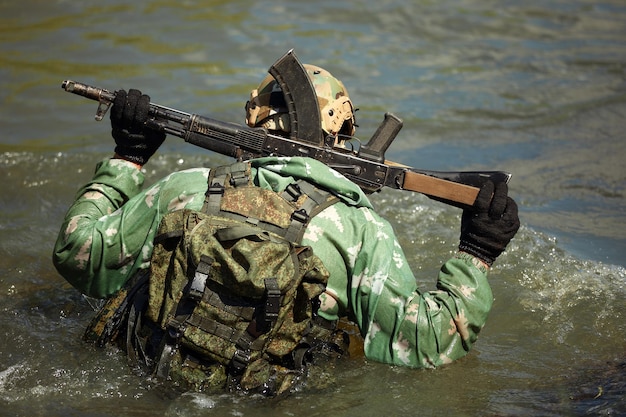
(107, 237)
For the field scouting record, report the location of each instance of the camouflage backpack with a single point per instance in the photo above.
(232, 295)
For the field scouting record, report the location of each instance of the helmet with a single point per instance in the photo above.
(267, 106)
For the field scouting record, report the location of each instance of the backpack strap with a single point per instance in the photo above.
(305, 199)
(233, 175)
(316, 200)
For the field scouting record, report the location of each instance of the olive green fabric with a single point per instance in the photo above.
(107, 237)
(235, 294)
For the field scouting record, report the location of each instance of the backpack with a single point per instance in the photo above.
(232, 296)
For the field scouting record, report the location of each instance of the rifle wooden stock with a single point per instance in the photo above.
(442, 189)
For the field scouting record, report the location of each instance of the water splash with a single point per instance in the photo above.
(576, 300)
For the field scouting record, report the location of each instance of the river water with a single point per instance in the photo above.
(536, 88)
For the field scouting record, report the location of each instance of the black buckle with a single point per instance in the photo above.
(238, 178)
(293, 190)
(272, 301)
(241, 359)
(300, 215)
(215, 188)
(198, 283)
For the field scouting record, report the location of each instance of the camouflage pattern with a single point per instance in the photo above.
(260, 204)
(335, 105)
(105, 327)
(107, 236)
(267, 108)
(239, 269)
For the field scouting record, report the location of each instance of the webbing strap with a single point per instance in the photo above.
(213, 298)
(183, 311)
(301, 217)
(213, 327)
(261, 227)
(134, 342)
(198, 289)
(213, 198)
(236, 232)
(242, 338)
(263, 322)
(238, 174)
(272, 302)
(164, 236)
(307, 200)
(215, 190)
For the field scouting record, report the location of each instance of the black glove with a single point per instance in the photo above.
(490, 224)
(135, 142)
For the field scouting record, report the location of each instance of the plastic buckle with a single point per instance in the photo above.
(300, 215)
(272, 300)
(215, 188)
(294, 191)
(198, 283)
(241, 359)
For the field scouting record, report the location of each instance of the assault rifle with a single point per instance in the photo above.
(365, 166)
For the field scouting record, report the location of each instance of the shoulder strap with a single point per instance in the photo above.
(231, 175)
(303, 199)
(313, 201)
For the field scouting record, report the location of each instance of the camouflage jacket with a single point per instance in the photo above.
(107, 235)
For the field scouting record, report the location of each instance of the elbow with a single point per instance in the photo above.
(73, 266)
(69, 271)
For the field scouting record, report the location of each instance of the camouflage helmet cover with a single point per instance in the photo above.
(267, 106)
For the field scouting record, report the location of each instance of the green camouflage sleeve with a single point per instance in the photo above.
(372, 283)
(107, 233)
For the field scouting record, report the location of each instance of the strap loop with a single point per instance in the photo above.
(203, 271)
(272, 301)
(293, 191)
(241, 359)
(300, 216)
(239, 174)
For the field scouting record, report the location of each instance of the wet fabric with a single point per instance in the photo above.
(231, 287)
(107, 236)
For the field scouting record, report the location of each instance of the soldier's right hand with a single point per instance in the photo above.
(134, 141)
(488, 227)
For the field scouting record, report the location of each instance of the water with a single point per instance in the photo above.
(536, 88)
